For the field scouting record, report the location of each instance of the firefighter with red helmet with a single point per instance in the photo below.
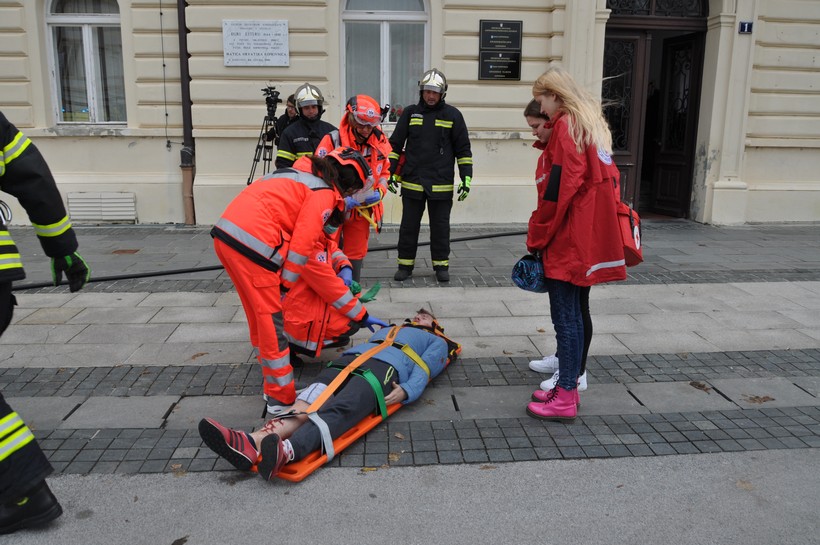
(360, 130)
(299, 139)
(430, 137)
(263, 240)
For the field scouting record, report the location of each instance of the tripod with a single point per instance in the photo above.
(267, 134)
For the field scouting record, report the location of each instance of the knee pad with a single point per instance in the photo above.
(309, 394)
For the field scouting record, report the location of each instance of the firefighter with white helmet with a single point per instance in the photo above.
(300, 138)
(430, 137)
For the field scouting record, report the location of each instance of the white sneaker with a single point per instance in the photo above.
(546, 365)
(582, 382)
(550, 383)
(275, 409)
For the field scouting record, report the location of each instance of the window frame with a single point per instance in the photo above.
(86, 23)
(385, 18)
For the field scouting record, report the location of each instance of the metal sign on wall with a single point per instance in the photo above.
(255, 43)
(499, 55)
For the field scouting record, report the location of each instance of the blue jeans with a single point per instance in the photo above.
(565, 311)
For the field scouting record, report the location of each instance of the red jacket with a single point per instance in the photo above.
(575, 226)
(321, 308)
(261, 222)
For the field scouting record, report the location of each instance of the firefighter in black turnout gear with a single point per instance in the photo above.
(301, 137)
(431, 136)
(25, 499)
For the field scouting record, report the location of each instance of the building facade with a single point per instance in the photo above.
(713, 103)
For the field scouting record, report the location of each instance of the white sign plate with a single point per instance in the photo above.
(255, 43)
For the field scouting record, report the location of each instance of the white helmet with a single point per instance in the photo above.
(433, 80)
(308, 95)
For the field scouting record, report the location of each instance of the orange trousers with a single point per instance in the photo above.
(355, 234)
(258, 290)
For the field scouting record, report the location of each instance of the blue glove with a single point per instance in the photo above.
(372, 199)
(370, 322)
(75, 268)
(350, 203)
(346, 274)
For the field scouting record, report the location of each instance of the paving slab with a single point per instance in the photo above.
(42, 300)
(664, 342)
(607, 399)
(112, 333)
(66, 355)
(93, 299)
(194, 314)
(203, 333)
(479, 347)
(243, 412)
(178, 299)
(808, 318)
(59, 315)
(487, 402)
(679, 397)
(761, 339)
(809, 384)
(191, 353)
(44, 413)
(115, 315)
(434, 404)
(41, 334)
(120, 412)
(751, 319)
(529, 325)
(754, 393)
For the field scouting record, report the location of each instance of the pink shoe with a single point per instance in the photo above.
(274, 457)
(560, 406)
(541, 396)
(233, 445)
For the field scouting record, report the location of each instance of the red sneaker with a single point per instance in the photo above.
(560, 406)
(274, 457)
(233, 445)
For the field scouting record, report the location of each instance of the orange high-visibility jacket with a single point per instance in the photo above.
(277, 220)
(376, 151)
(321, 307)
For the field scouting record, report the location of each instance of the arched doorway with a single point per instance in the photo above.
(653, 60)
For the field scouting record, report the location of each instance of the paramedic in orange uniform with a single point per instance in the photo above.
(359, 129)
(263, 239)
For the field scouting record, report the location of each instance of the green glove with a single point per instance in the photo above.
(464, 188)
(75, 268)
(394, 183)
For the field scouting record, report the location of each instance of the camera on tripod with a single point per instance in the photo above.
(267, 134)
(271, 100)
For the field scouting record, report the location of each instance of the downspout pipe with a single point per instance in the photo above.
(188, 152)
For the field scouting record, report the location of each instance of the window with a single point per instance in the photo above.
(87, 52)
(385, 50)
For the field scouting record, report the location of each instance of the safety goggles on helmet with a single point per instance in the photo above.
(308, 95)
(365, 110)
(350, 157)
(433, 80)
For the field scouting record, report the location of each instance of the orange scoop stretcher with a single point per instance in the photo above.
(299, 470)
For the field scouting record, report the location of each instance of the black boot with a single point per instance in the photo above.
(442, 274)
(402, 274)
(37, 507)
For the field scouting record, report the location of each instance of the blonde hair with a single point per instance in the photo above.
(585, 118)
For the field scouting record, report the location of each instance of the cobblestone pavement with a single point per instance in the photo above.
(449, 427)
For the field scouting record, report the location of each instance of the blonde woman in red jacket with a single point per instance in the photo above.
(575, 226)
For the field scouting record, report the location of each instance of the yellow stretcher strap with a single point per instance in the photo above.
(364, 211)
(410, 353)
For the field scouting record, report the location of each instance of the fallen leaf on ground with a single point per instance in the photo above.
(540, 330)
(393, 456)
(487, 466)
(199, 355)
(757, 399)
(397, 435)
(745, 485)
(699, 386)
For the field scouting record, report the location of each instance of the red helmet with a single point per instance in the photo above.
(365, 110)
(349, 157)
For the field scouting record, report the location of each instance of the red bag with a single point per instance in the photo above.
(630, 225)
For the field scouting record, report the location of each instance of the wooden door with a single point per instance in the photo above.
(624, 97)
(679, 101)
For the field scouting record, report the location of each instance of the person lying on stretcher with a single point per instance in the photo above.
(292, 436)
